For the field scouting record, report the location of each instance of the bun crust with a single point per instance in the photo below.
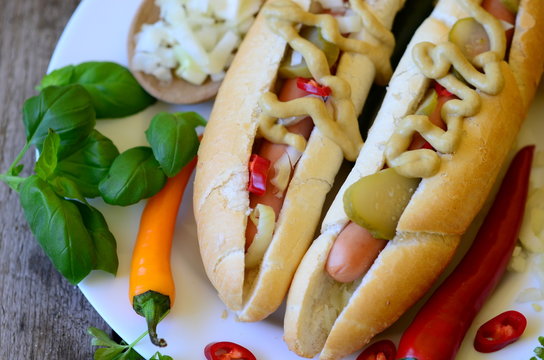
(221, 199)
(337, 319)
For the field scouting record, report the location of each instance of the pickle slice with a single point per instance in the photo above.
(511, 5)
(313, 34)
(377, 201)
(428, 104)
(470, 36)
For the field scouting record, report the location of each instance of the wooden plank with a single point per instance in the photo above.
(42, 316)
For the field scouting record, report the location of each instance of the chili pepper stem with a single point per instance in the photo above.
(153, 306)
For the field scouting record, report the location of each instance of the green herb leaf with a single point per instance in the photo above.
(47, 162)
(174, 140)
(159, 356)
(133, 176)
(541, 340)
(108, 353)
(105, 246)
(59, 229)
(16, 170)
(100, 338)
(68, 111)
(90, 164)
(114, 91)
(66, 188)
(131, 354)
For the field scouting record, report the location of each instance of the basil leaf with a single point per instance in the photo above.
(16, 170)
(59, 229)
(105, 246)
(114, 91)
(174, 140)
(47, 162)
(100, 338)
(108, 353)
(159, 356)
(90, 164)
(133, 176)
(59, 77)
(66, 188)
(131, 354)
(67, 110)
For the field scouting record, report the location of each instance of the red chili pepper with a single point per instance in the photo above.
(225, 350)
(441, 91)
(500, 331)
(258, 173)
(312, 87)
(381, 350)
(438, 329)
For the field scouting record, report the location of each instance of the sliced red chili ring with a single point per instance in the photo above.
(258, 174)
(312, 87)
(500, 331)
(381, 350)
(226, 350)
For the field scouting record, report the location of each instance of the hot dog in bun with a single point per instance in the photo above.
(446, 126)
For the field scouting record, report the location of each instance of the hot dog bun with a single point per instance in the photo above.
(337, 319)
(221, 202)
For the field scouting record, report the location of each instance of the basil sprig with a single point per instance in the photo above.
(111, 350)
(76, 162)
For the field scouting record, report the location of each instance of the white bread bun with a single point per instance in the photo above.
(337, 319)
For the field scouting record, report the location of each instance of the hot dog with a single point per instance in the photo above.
(304, 158)
(342, 296)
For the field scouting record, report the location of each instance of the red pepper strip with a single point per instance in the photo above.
(500, 331)
(441, 91)
(438, 329)
(381, 350)
(312, 87)
(258, 173)
(225, 350)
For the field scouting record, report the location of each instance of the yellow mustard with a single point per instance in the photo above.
(435, 62)
(339, 121)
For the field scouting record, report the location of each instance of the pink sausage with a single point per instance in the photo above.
(273, 152)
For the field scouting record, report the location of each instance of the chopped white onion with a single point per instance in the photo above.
(282, 170)
(349, 23)
(195, 38)
(264, 218)
(532, 230)
(296, 58)
(506, 25)
(529, 295)
(330, 4)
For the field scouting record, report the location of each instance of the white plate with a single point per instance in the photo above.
(98, 31)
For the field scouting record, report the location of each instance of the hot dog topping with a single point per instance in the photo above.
(435, 62)
(339, 121)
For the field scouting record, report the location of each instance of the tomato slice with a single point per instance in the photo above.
(226, 350)
(381, 350)
(500, 331)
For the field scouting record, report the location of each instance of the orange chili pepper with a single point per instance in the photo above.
(151, 285)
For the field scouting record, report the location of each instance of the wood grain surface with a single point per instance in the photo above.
(42, 316)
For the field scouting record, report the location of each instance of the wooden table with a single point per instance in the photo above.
(42, 316)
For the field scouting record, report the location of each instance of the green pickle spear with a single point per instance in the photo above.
(377, 201)
(312, 34)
